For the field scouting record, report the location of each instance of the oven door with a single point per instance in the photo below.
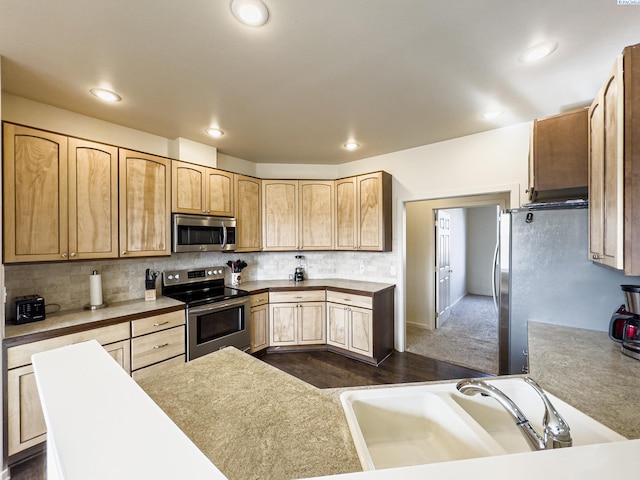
(217, 325)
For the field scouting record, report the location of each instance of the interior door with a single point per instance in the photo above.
(443, 266)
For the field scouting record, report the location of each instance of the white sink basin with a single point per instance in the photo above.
(413, 425)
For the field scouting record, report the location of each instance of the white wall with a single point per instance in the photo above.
(458, 259)
(482, 223)
(492, 161)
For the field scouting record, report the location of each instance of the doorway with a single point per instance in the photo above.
(456, 263)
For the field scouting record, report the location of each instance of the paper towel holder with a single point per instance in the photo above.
(89, 306)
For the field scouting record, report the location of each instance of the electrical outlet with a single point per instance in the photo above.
(361, 267)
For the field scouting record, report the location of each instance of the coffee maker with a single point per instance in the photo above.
(298, 276)
(624, 327)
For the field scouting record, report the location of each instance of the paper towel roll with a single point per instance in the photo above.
(95, 289)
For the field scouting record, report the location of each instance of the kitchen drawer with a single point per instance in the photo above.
(157, 323)
(21, 354)
(297, 296)
(151, 370)
(156, 347)
(350, 299)
(259, 299)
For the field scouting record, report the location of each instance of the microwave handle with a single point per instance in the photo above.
(224, 236)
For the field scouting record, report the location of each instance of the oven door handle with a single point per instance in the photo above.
(218, 306)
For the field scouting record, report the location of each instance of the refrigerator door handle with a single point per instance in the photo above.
(494, 283)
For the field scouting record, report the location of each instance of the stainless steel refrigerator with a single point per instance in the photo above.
(543, 274)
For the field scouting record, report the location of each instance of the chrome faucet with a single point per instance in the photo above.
(556, 430)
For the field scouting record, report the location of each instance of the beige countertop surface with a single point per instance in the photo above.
(60, 322)
(254, 421)
(333, 283)
(586, 369)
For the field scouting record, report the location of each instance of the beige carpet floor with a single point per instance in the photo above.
(469, 338)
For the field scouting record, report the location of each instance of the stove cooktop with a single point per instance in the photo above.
(207, 295)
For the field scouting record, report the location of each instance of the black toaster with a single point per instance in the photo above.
(29, 308)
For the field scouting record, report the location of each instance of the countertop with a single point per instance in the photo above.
(61, 323)
(254, 421)
(351, 286)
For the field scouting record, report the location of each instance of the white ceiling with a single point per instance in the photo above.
(390, 74)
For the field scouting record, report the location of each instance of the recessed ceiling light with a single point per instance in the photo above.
(351, 146)
(538, 52)
(253, 13)
(493, 113)
(214, 132)
(106, 95)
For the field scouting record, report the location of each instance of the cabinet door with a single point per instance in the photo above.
(283, 326)
(188, 183)
(311, 323)
(369, 214)
(560, 152)
(280, 215)
(248, 201)
(35, 195)
(606, 188)
(25, 423)
(93, 200)
(219, 191)
(145, 202)
(259, 328)
(361, 331)
(337, 318)
(346, 214)
(121, 353)
(317, 215)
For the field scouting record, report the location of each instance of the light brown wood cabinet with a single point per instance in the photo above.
(60, 197)
(298, 215)
(363, 212)
(145, 204)
(25, 421)
(201, 190)
(156, 340)
(559, 157)
(361, 326)
(297, 318)
(350, 322)
(248, 209)
(259, 322)
(280, 215)
(614, 167)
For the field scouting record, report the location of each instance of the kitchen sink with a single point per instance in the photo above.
(413, 425)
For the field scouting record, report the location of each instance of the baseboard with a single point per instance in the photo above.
(418, 325)
(5, 474)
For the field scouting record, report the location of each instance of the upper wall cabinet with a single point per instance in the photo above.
(145, 203)
(298, 215)
(248, 208)
(559, 157)
(363, 212)
(60, 197)
(614, 167)
(201, 190)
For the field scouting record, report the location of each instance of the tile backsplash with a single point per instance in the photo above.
(67, 283)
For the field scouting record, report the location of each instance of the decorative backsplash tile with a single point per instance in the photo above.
(67, 283)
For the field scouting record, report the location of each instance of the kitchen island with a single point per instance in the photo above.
(248, 419)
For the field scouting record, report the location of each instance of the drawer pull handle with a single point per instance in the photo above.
(155, 347)
(161, 323)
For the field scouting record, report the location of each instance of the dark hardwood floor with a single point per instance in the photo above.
(330, 370)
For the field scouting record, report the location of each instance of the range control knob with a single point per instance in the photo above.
(170, 277)
(177, 276)
(209, 272)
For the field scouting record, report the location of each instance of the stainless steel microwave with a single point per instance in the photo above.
(196, 233)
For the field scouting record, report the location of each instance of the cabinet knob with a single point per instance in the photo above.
(73, 254)
(124, 252)
(64, 255)
(595, 256)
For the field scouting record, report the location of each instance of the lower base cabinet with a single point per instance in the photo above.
(297, 318)
(25, 421)
(350, 328)
(259, 322)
